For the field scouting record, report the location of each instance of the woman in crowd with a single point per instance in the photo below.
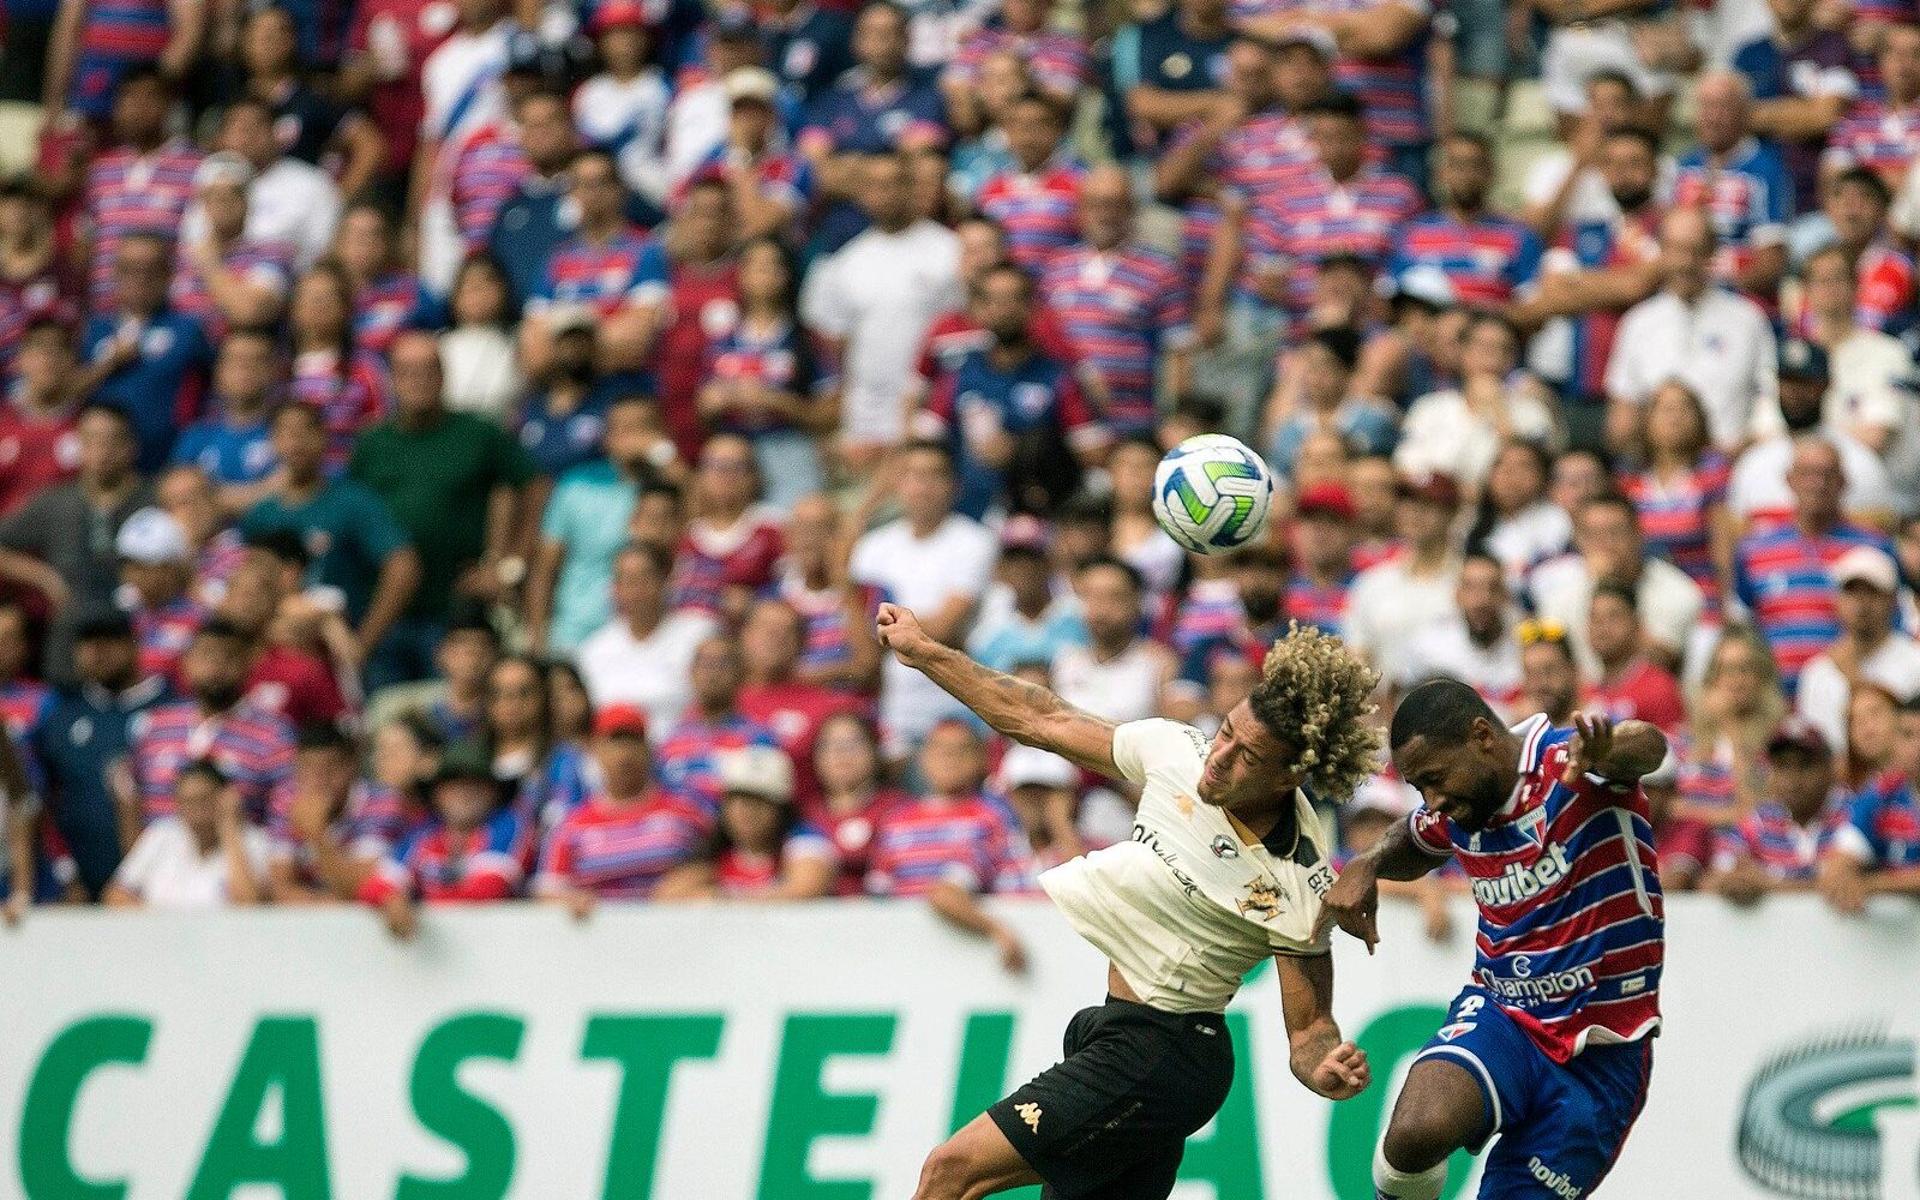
(853, 797)
(549, 777)
(1872, 721)
(762, 848)
(1515, 521)
(1730, 716)
(1680, 491)
(568, 702)
(764, 382)
(478, 353)
(1459, 431)
(205, 855)
(331, 370)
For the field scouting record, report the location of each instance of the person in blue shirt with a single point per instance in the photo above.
(1877, 851)
(1018, 425)
(79, 745)
(232, 445)
(1168, 71)
(143, 358)
(562, 424)
(807, 47)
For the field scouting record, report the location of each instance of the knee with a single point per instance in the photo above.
(948, 1174)
(1419, 1140)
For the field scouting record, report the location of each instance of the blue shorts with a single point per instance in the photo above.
(1560, 1126)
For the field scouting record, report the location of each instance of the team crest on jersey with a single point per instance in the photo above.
(1533, 826)
(1262, 900)
(1450, 1032)
(1184, 803)
(1223, 847)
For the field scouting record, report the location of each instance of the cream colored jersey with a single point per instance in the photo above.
(1188, 907)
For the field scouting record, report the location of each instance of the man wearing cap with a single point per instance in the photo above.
(475, 849)
(629, 835)
(39, 446)
(61, 543)
(1321, 542)
(770, 186)
(141, 356)
(1868, 649)
(1782, 575)
(156, 587)
(623, 109)
(1778, 846)
(1759, 493)
(83, 737)
(225, 278)
(1716, 342)
(1392, 602)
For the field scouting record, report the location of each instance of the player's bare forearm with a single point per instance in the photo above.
(1318, 1057)
(1025, 712)
(1397, 856)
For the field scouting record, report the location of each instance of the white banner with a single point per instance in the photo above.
(818, 1052)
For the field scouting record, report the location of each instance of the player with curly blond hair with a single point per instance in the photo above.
(1227, 867)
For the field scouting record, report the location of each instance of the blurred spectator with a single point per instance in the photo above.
(953, 843)
(1476, 644)
(251, 747)
(1783, 575)
(22, 697)
(564, 420)
(853, 798)
(1718, 343)
(1730, 715)
(387, 297)
(698, 117)
(1490, 260)
(769, 186)
(628, 838)
(1026, 615)
(1516, 522)
(1869, 397)
(1872, 732)
(386, 47)
(1549, 677)
(1877, 849)
(623, 109)
(233, 446)
(640, 657)
(348, 384)
(1458, 432)
(1803, 80)
(1117, 674)
(1740, 182)
(688, 751)
(1883, 270)
(308, 125)
(703, 295)
(143, 184)
(873, 299)
(1881, 133)
(1628, 685)
(731, 543)
(60, 543)
(934, 561)
(1313, 394)
(1322, 557)
(1034, 195)
(839, 651)
(289, 200)
(356, 548)
(1569, 185)
(478, 350)
(203, 854)
(456, 483)
(82, 737)
(808, 47)
(1760, 492)
(462, 91)
(773, 695)
(1680, 493)
(341, 826)
(1684, 845)
(1168, 68)
(156, 574)
(1137, 538)
(473, 849)
(762, 849)
(96, 49)
(141, 356)
(454, 701)
(536, 214)
(1608, 548)
(1390, 603)
(550, 774)
(292, 642)
(1866, 648)
(1778, 846)
(225, 278)
(39, 442)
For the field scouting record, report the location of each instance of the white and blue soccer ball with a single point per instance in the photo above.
(1211, 494)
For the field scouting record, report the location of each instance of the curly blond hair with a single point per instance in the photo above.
(1316, 696)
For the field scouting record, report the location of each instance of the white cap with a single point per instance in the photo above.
(225, 167)
(1423, 282)
(751, 83)
(569, 318)
(152, 537)
(1026, 766)
(1311, 36)
(756, 771)
(1865, 564)
(1665, 775)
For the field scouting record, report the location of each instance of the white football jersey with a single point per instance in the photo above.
(1188, 907)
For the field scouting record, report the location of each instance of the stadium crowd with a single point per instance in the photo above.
(453, 449)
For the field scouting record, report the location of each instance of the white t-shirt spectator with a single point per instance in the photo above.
(1447, 650)
(879, 293)
(166, 869)
(296, 203)
(1669, 603)
(1124, 688)
(956, 559)
(1721, 345)
(1758, 487)
(1387, 607)
(1592, 200)
(631, 118)
(482, 372)
(651, 672)
(1442, 435)
(1538, 532)
(1824, 693)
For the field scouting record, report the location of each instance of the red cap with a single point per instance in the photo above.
(1434, 487)
(620, 719)
(1325, 500)
(619, 14)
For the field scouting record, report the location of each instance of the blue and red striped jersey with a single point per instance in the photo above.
(350, 396)
(1877, 136)
(131, 193)
(620, 851)
(486, 172)
(1488, 259)
(1323, 607)
(1883, 824)
(387, 306)
(441, 866)
(628, 268)
(1675, 517)
(1057, 62)
(1039, 210)
(162, 634)
(972, 842)
(684, 760)
(251, 746)
(1781, 575)
(1782, 847)
(1571, 935)
(1594, 245)
(21, 703)
(1748, 197)
(1311, 218)
(263, 264)
(1121, 309)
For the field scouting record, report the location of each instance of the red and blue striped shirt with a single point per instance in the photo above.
(486, 173)
(1572, 922)
(263, 264)
(1121, 309)
(1676, 517)
(1489, 259)
(388, 306)
(1782, 576)
(621, 851)
(1057, 62)
(251, 746)
(969, 841)
(1040, 210)
(441, 866)
(1877, 136)
(1312, 218)
(1782, 847)
(628, 268)
(1884, 822)
(350, 397)
(686, 759)
(128, 193)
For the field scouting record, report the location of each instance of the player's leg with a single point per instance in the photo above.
(977, 1161)
(1441, 1108)
(1591, 1103)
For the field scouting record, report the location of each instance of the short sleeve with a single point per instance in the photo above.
(1429, 830)
(1140, 746)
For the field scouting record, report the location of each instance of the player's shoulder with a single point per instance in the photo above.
(1140, 747)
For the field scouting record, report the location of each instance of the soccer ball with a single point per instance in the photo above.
(1211, 494)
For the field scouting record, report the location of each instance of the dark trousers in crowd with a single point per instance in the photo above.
(405, 655)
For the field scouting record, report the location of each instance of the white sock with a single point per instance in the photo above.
(1392, 1184)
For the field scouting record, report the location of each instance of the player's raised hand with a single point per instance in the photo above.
(1343, 1073)
(1591, 743)
(899, 631)
(1353, 903)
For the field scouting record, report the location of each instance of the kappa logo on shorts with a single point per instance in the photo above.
(1223, 847)
(1030, 1113)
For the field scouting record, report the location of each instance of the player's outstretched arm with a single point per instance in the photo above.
(1023, 711)
(1353, 902)
(1622, 753)
(1323, 1062)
